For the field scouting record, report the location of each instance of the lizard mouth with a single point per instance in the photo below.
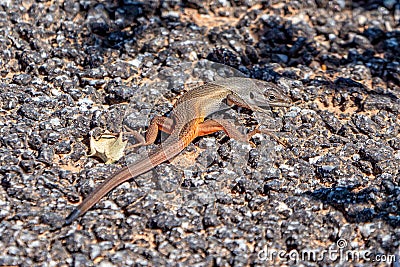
(266, 107)
(285, 105)
(262, 109)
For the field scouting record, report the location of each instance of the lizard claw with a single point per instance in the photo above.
(141, 141)
(268, 132)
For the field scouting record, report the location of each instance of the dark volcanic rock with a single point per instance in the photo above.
(326, 175)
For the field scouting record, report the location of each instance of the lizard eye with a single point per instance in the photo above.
(271, 98)
(252, 95)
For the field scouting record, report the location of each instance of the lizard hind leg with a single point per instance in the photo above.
(157, 124)
(213, 125)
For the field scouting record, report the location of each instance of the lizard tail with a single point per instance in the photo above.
(164, 153)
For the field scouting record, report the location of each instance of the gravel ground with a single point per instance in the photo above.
(72, 68)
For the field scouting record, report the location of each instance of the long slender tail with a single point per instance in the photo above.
(167, 151)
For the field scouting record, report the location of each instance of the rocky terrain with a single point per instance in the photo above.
(326, 180)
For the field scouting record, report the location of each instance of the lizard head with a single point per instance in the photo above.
(254, 94)
(262, 95)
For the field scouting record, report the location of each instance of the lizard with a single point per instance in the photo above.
(189, 120)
